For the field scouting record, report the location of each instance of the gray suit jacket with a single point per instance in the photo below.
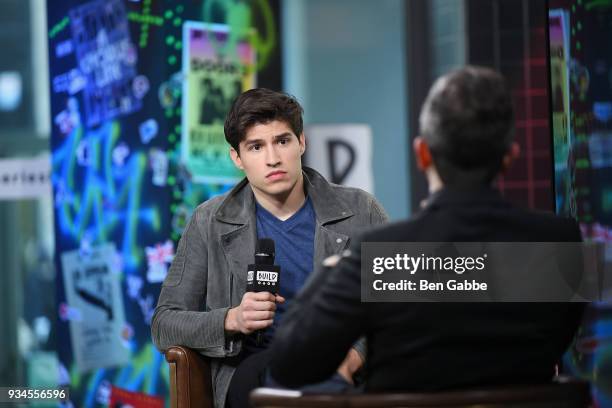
(208, 274)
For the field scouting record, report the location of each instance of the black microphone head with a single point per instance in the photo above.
(264, 251)
(265, 246)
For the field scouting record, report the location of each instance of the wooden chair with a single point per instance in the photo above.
(190, 381)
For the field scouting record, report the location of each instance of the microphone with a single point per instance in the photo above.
(263, 275)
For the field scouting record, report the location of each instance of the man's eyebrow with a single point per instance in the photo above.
(253, 141)
(261, 141)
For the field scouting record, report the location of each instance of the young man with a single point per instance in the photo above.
(203, 304)
(467, 139)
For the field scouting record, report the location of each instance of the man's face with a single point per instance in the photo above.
(271, 157)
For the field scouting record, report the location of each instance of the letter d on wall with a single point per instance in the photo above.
(342, 153)
(339, 174)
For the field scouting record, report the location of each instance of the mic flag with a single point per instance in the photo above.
(263, 275)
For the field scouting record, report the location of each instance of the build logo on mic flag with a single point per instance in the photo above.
(263, 280)
(267, 276)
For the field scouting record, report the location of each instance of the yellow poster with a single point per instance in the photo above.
(216, 69)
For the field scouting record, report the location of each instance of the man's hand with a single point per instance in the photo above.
(255, 312)
(352, 362)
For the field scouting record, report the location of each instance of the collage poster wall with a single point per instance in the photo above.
(139, 93)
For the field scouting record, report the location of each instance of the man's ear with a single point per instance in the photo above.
(236, 158)
(422, 154)
(302, 140)
(513, 153)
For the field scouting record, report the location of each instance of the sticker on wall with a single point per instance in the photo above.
(140, 86)
(120, 153)
(148, 130)
(169, 92)
(70, 118)
(159, 258)
(92, 286)
(159, 165)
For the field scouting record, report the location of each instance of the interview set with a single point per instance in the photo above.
(285, 213)
(306, 203)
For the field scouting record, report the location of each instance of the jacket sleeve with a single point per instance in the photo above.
(321, 325)
(181, 316)
(378, 216)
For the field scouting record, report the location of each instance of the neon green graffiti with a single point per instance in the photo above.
(59, 27)
(99, 187)
(145, 19)
(598, 4)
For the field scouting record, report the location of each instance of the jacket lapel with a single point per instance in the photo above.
(239, 235)
(328, 209)
(325, 202)
(239, 249)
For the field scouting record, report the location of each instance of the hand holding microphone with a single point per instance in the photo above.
(256, 310)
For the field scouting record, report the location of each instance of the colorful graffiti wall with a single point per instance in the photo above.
(139, 92)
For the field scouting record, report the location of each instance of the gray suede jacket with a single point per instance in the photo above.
(208, 274)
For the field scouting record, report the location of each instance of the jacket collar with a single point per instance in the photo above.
(449, 196)
(325, 201)
(239, 205)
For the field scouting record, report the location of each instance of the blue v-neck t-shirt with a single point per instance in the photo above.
(294, 247)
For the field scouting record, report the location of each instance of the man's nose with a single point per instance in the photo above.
(272, 156)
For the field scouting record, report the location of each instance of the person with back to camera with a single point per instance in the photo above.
(466, 140)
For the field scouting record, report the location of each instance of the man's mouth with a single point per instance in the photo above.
(275, 175)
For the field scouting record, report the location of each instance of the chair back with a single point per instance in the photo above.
(574, 394)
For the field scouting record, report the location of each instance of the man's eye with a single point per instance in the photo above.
(283, 141)
(255, 147)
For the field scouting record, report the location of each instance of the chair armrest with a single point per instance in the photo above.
(190, 379)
